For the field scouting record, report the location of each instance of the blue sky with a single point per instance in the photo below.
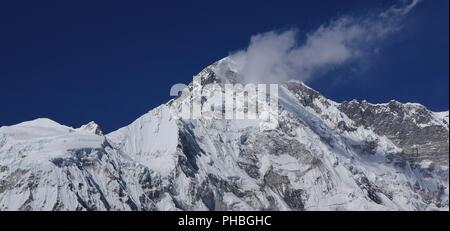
(113, 61)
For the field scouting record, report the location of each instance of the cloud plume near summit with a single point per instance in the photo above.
(278, 56)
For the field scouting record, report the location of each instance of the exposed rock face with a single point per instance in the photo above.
(419, 132)
(321, 155)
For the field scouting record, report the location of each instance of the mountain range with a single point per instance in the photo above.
(320, 155)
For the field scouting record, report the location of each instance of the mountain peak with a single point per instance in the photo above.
(40, 122)
(92, 127)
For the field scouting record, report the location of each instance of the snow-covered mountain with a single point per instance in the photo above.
(322, 155)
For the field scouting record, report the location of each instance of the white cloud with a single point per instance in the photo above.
(277, 56)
